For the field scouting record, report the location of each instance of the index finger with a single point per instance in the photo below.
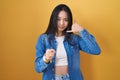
(52, 50)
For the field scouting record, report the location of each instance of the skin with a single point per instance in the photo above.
(62, 23)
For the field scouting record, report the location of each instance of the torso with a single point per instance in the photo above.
(61, 65)
(61, 70)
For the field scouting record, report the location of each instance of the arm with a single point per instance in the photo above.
(40, 64)
(88, 43)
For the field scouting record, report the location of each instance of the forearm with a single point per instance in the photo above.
(89, 43)
(40, 64)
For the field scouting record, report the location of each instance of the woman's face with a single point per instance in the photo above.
(62, 21)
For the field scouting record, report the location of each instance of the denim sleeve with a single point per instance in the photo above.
(40, 65)
(88, 43)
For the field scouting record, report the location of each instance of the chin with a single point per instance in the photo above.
(61, 30)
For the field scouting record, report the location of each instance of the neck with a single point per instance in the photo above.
(59, 34)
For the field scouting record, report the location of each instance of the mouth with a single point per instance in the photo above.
(61, 27)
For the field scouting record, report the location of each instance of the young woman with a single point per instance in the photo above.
(57, 50)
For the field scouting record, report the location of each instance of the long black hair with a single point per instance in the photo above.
(52, 26)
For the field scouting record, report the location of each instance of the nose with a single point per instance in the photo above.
(61, 22)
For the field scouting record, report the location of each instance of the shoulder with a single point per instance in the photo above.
(75, 36)
(42, 37)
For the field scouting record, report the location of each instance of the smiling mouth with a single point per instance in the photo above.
(61, 27)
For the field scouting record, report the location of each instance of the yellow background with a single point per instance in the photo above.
(22, 21)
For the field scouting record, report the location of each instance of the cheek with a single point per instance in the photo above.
(66, 24)
(58, 22)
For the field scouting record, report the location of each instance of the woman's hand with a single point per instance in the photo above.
(76, 28)
(49, 54)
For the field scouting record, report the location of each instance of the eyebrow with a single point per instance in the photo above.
(64, 18)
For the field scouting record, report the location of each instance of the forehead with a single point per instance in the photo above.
(62, 14)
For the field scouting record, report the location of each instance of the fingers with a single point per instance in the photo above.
(50, 53)
(69, 31)
(74, 21)
(52, 50)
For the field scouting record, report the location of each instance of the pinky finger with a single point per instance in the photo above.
(69, 31)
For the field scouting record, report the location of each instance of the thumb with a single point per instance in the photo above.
(74, 21)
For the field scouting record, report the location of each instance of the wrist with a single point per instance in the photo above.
(81, 29)
(45, 59)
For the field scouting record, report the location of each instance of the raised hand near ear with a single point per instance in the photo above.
(76, 27)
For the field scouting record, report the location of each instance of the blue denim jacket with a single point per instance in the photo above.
(84, 41)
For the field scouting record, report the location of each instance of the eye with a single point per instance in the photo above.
(66, 20)
(58, 19)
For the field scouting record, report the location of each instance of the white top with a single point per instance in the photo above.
(61, 56)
